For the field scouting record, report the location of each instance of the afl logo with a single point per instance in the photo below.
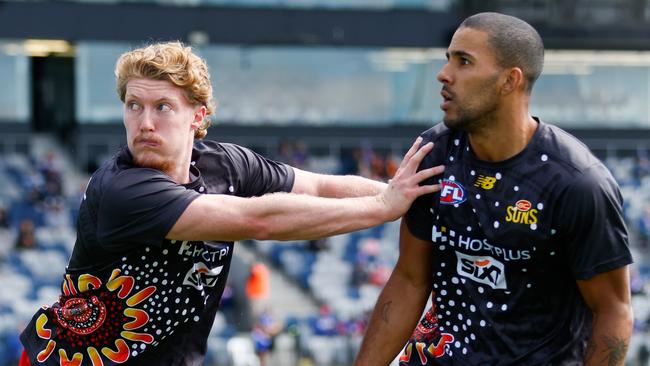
(451, 193)
(523, 205)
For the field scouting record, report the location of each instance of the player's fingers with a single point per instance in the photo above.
(430, 172)
(416, 159)
(426, 189)
(412, 150)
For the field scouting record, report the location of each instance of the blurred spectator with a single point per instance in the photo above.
(359, 275)
(318, 244)
(294, 153)
(348, 163)
(227, 302)
(368, 251)
(300, 154)
(26, 238)
(263, 335)
(642, 166)
(392, 163)
(379, 274)
(643, 226)
(637, 282)
(4, 218)
(56, 214)
(257, 287)
(325, 323)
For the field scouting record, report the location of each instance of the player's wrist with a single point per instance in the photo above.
(388, 209)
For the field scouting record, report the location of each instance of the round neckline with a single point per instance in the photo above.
(511, 160)
(195, 176)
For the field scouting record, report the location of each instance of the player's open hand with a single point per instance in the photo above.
(404, 188)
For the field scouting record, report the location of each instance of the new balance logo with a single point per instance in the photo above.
(485, 182)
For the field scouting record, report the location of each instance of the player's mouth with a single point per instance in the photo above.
(447, 98)
(147, 141)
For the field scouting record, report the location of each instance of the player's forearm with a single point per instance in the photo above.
(304, 217)
(393, 320)
(349, 186)
(610, 336)
(278, 216)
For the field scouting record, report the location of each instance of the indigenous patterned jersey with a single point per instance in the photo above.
(510, 240)
(129, 295)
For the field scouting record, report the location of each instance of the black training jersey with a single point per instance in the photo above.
(129, 295)
(510, 240)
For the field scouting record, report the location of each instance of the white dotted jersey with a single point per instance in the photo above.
(510, 239)
(129, 294)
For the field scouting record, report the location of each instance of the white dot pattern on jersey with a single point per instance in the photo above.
(451, 319)
(154, 302)
(467, 319)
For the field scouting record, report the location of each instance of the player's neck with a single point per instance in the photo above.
(180, 172)
(504, 137)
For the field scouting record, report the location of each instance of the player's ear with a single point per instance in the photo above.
(199, 115)
(513, 79)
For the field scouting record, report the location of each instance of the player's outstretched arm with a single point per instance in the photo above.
(287, 216)
(608, 296)
(335, 186)
(400, 303)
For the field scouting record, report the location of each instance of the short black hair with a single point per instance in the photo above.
(515, 42)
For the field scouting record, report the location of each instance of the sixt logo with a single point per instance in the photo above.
(521, 213)
(484, 269)
(485, 182)
(451, 193)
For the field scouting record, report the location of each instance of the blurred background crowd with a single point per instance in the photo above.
(332, 86)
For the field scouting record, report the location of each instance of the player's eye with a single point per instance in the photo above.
(164, 107)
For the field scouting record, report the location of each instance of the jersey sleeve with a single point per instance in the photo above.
(140, 206)
(592, 223)
(257, 174)
(419, 217)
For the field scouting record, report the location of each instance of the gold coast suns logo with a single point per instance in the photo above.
(521, 213)
(484, 181)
